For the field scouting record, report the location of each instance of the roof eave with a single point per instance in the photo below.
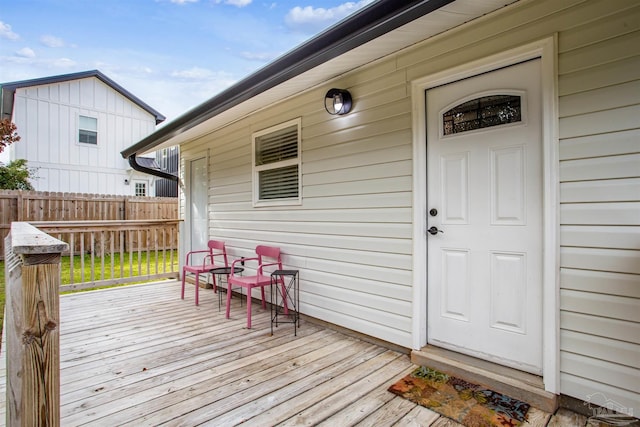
(8, 90)
(371, 22)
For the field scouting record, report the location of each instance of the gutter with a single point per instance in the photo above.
(373, 21)
(155, 172)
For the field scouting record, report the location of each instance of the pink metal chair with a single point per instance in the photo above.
(267, 256)
(216, 249)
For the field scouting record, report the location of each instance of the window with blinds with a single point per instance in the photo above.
(276, 162)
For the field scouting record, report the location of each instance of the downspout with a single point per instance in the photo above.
(155, 172)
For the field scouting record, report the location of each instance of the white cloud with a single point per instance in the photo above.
(26, 52)
(203, 75)
(24, 65)
(51, 41)
(309, 19)
(63, 63)
(183, 1)
(189, 90)
(194, 73)
(259, 56)
(238, 3)
(6, 32)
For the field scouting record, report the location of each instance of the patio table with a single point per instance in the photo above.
(288, 294)
(221, 272)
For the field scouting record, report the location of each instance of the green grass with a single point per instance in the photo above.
(130, 267)
(127, 269)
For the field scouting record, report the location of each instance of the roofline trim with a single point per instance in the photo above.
(10, 88)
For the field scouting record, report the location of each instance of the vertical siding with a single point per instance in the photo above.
(352, 236)
(599, 104)
(47, 120)
(168, 163)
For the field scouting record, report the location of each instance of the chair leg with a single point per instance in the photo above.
(197, 288)
(248, 308)
(215, 286)
(228, 298)
(183, 274)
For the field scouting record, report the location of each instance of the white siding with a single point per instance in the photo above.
(600, 208)
(47, 121)
(599, 129)
(352, 236)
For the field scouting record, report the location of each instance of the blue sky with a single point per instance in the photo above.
(173, 54)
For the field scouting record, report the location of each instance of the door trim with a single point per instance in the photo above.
(185, 199)
(546, 50)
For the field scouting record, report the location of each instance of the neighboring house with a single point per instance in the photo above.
(72, 128)
(168, 160)
(512, 129)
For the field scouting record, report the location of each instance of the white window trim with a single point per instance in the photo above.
(86, 144)
(135, 188)
(289, 162)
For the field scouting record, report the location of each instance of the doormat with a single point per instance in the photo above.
(469, 404)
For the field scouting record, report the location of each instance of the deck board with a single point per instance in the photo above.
(141, 356)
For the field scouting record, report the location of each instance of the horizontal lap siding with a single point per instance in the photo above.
(351, 238)
(599, 130)
(599, 85)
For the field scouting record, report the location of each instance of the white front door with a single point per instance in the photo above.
(484, 183)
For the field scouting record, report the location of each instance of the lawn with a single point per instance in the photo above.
(129, 268)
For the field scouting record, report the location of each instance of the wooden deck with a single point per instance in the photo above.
(141, 356)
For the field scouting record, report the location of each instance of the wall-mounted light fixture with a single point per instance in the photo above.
(337, 101)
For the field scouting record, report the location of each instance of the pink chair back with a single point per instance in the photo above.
(273, 255)
(217, 249)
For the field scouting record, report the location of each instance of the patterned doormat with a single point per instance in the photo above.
(469, 404)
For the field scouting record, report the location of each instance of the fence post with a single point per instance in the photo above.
(20, 207)
(32, 273)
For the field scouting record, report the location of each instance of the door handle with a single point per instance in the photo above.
(434, 230)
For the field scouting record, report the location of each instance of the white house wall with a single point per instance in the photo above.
(352, 236)
(599, 87)
(47, 120)
(351, 240)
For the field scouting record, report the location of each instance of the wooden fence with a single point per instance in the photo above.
(35, 206)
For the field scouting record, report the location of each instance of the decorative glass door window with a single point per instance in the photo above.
(484, 112)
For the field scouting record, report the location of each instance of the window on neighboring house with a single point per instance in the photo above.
(141, 188)
(88, 130)
(165, 156)
(276, 164)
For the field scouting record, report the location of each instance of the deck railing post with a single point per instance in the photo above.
(32, 273)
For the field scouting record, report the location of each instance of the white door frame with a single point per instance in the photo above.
(546, 50)
(188, 226)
